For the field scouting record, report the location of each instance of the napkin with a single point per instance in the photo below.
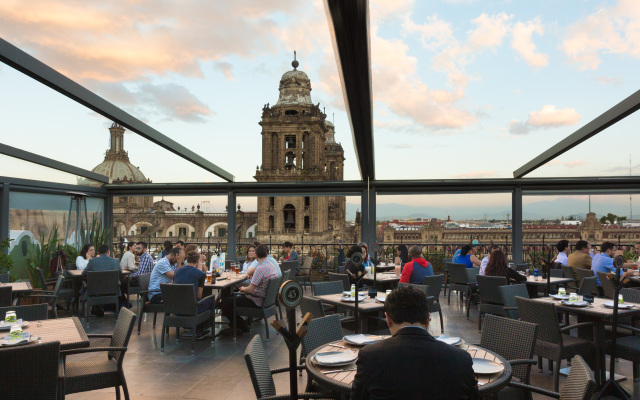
(24, 337)
(335, 357)
(363, 339)
(4, 324)
(448, 340)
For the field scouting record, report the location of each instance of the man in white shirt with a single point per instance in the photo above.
(563, 252)
(128, 260)
(485, 260)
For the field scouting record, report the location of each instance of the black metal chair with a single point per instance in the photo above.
(181, 311)
(344, 278)
(147, 307)
(92, 374)
(553, 343)
(31, 372)
(32, 312)
(579, 385)
(262, 375)
(435, 286)
(515, 341)
(490, 297)
(6, 296)
(102, 288)
(4, 278)
(266, 310)
(304, 273)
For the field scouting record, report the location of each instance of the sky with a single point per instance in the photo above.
(462, 88)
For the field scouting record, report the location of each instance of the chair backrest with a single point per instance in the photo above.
(522, 267)
(344, 278)
(587, 285)
(606, 284)
(435, 285)
(322, 331)
(580, 383)
(446, 260)
(21, 363)
(567, 272)
(122, 332)
(556, 273)
(178, 299)
(322, 288)
(143, 282)
(308, 262)
(32, 312)
(512, 339)
(341, 268)
(259, 370)
(313, 306)
(473, 274)
(59, 283)
(43, 281)
(288, 265)
(423, 288)
(103, 283)
(509, 294)
(631, 295)
(458, 273)
(4, 278)
(489, 288)
(5, 296)
(270, 295)
(545, 315)
(287, 275)
(585, 273)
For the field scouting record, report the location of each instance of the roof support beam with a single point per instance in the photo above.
(349, 28)
(49, 163)
(618, 112)
(28, 65)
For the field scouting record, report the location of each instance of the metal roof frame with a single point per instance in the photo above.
(28, 65)
(616, 113)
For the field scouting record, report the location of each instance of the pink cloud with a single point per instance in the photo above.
(545, 118)
(522, 42)
(476, 174)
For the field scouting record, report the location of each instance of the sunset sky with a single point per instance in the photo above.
(462, 89)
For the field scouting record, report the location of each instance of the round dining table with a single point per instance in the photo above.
(340, 382)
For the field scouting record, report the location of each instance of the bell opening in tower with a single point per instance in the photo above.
(289, 212)
(290, 161)
(290, 112)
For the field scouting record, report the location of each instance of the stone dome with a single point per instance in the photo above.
(295, 88)
(116, 164)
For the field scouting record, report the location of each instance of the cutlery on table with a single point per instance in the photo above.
(339, 370)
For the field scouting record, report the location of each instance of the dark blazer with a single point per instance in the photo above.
(102, 263)
(414, 365)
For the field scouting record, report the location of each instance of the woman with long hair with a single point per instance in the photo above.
(468, 256)
(497, 266)
(402, 255)
(87, 252)
(250, 262)
(365, 255)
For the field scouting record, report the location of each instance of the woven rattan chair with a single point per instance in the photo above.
(94, 374)
(45, 284)
(607, 286)
(50, 297)
(304, 273)
(579, 385)
(330, 287)
(556, 273)
(509, 294)
(4, 278)
(553, 344)
(147, 307)
(344, 278)
(320, 331)
(522, 267)
(435, 286)
(586, 273)
(102, 288)
(262, 375)
(587, 285)
(569, 273)
(6, 296)
(33, 312)
(460, 281)
(490, 298)
(289, 266)
(628, 347)
(514, 340)
(446, 282)
(31, 372)
(266, 310)
(181, 311)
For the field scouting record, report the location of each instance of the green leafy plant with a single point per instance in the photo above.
(6, 262)
(96, 234)
(40, 254)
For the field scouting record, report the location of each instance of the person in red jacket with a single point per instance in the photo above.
(415, 270)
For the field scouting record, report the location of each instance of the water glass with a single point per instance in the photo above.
(620, 299)
(573, 297)
(562, 291)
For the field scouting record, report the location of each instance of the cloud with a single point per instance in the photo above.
(545, 118)
(401, 145)
(476, 174)
(607, 80)
(226, 68)
(522, 42)
(490, 30)
(610, 30)
(574, 163)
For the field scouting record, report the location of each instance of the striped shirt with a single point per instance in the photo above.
(261, 276)
(145, 265)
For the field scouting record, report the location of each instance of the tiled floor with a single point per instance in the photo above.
(219, 372)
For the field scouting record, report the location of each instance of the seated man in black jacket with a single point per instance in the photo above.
(412, 364)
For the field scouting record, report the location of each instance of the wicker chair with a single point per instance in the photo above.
(262, 375)
(320, 331)
(322, 288)
(553, 344)
(509, 294)
(579, 385)
(460, 281)
(266, 310)
(435, 286)
(147, 307)
(181, 311)
(490, 298)
(92, 374)
(607, 286)
(586, 273)
(569, 273)
(522, 267)
(102, 288)
(344, 278)
(514, 340)
(6, 296)
(304, 273)
(21, 366)
(628, 347)
(44, 283)
(4, 278)
(587, 285)
(556, 273)
(289, 266)
(33, 312)
(50, 297)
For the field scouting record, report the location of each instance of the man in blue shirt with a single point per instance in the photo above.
(190, 274)
(163, 273)
(603, 261)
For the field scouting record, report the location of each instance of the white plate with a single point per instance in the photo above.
(353, 299)
(482, 366)
(579, 303)
(609, 304)
(560, 296)
(4, 326)
(381, 299)
(362, 339)
(449, 340)
(334, 358)
(6, 342)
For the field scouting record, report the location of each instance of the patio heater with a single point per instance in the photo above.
(376, 261)
(79, 199)
(356, 260)
(612, 389)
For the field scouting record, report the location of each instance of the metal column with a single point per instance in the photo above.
(368, 217)
(108, 218)
(231, 226)
(4, 211)
(516, 224)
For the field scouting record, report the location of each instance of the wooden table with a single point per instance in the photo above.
(382, 267)
(19, 287)
(534, 285)
(77, 273)
(369, 306)
(600, 316)
(341, 382)
(383, 280)
(68, 331)
(225, 283)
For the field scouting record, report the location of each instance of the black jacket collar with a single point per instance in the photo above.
(413, 330)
